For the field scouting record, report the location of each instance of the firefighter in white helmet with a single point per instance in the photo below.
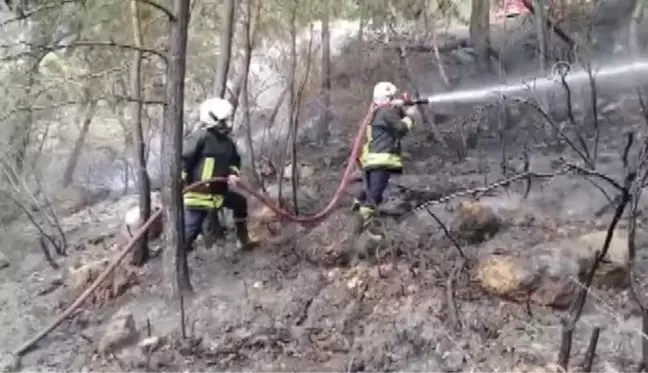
(210, 152)
(381, 155)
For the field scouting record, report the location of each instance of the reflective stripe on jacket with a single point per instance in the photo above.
(382, 148)
(206, 155)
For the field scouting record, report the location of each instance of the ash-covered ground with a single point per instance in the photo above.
(301, 302)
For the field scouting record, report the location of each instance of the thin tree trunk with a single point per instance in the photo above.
(323, 128)
(633, 31)
(172, 130)
(213, 227)
(249, 47)
(19, 139)
(480, 34)
(225, 53)
(361, 32)
(68, 174)
(296, 107)
(291, 95)
(141, 252)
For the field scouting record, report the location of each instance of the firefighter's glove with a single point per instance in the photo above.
(233, 180)
(412, 112)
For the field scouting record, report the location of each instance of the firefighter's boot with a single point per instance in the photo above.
(245, 240)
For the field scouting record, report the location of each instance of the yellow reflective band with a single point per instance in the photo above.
(381, 159)
(366, 212)
(365, 147)
(207, 168)
(235, 169)
(183, 175)
(408, 122)
(209, 201)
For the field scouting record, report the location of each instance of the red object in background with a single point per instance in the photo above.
(510, 8)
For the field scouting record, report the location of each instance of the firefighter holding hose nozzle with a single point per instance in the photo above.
(207, 153)
(381, 154)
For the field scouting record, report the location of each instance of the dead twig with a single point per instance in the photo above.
(453, 313)
(448, 234)
(582, 153)
(576, 309)
(69, 311)
(48, 256)
(183, 320)
(591, 350)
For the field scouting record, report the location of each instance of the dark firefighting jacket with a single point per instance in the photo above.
(382, 148)
(207, 154)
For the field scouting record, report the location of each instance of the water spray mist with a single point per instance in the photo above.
(623, 74)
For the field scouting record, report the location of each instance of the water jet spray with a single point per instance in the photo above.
(620, 75)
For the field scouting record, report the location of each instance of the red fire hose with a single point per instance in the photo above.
(25, 347)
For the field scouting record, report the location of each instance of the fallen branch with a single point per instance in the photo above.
(27, 346)
(453, 313)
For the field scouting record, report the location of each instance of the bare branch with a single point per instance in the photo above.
(588, 172)
(25, 15)
(78, 102)
(582, 153)
(80, 43)
(161, 8)
(576, 309)
(448, 234)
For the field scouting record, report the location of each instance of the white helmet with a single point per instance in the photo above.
(384, 92)
(216, 112)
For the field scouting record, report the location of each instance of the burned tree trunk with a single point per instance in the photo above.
(68, 174)
(172, 129)
(323, 128)
(141, 252)
(480, 34)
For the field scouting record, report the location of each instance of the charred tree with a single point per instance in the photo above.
(172, 130)
(480, 34)
(91, 108)
(141, 252)
(325, 114)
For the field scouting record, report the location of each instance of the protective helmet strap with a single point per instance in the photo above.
(221, 126)
(214, 117)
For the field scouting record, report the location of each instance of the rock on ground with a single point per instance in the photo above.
(9, 363)
(549, 273)
(475, 222)
(119, 333)
(77, 277)
(4, 261)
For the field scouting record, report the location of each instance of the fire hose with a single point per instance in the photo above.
(344, 182)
